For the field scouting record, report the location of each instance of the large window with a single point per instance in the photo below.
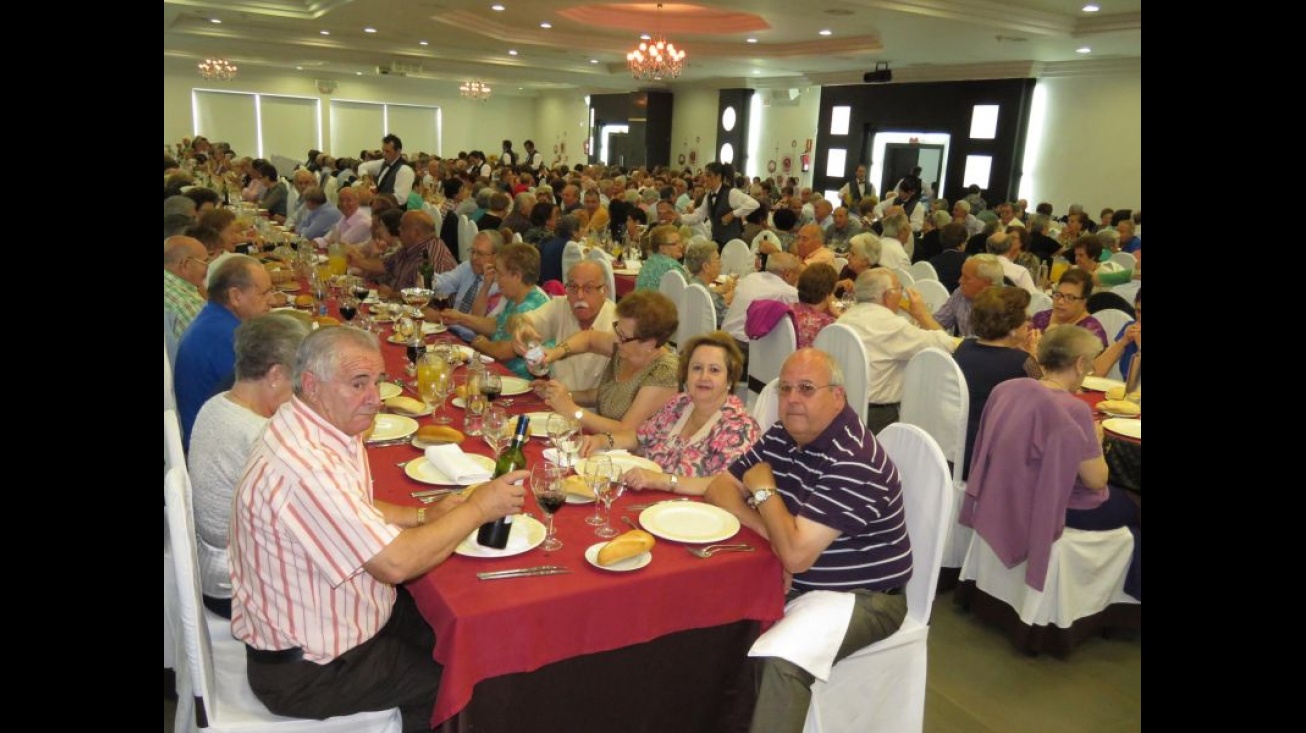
(258, 125)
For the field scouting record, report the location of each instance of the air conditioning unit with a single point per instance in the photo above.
(781, 98)
(399, 68)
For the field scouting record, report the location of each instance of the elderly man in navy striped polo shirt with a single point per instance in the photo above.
(826, 495)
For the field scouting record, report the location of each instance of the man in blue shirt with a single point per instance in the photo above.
(467, 285)
(319, 215)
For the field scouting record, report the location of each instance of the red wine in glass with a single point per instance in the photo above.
(415, 351)
(361, 291)
(551, 501)
(348, 311)
(491, 392)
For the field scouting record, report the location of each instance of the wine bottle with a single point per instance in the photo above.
(495, 534)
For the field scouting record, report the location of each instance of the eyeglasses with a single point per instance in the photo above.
(478, 253)
(203, 262)
(1067, 297)
(573, 288)
(805, 389)
(622, 338)
(676, 243)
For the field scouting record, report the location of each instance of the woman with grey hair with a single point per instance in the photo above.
(863, 254)
(224, 432)
(703, 260)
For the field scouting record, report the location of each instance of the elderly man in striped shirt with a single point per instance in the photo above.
(316, 560)
(828, 498)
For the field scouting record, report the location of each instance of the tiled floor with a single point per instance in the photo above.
(979, 683)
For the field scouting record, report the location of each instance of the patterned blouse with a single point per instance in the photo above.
(615, 398)
(650, 275)
(808, 321)
(721, 440)
(1043, 319)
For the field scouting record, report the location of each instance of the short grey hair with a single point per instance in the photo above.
(872, 284)
(179, 205)
(494, 236)
(524, 201)
(483, 197)
(698, 254)
(782, 262)
(320, 352)
(1039, 223)
(964, 204)
(866, 245)
(998, 243)
(236, 271)
(267, 341)
(567, 226)
(1108, 237)
(941, 218)
(988, 267)
(894, 224)
(832, 364)
(1060, 347)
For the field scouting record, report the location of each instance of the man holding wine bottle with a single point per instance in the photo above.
(316, 560)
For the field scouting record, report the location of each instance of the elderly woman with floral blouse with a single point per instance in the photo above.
(698, 432)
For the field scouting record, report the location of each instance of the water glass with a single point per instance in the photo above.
(598, 475)
(496, 429)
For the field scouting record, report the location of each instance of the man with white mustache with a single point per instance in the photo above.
(585, 307)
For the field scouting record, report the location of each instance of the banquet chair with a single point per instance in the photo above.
(923, 270)
(436, 214)
(292, 195)
(737, 259)
(673, 286)
(1112, 321)
(766, 409)
(697, 313)
(170, 342)
(605, 261)
(1126, 260)
(840, 263)
(841, 342)
(767, 354)
(765, 236)
(882, 687)
(933, 292)
(935, 398)
(1038, 302)
(466, 233)
(172, 453)
(1128, 291)
(571, 254)
(215, 695)
(905, 278)
(516, 238)
(169, 392)
(332, 190)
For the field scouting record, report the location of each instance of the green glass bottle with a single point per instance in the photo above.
(495, 534)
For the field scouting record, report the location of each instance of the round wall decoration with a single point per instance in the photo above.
(693, 157)
(770, 166)
(682, 158)
(787, 163)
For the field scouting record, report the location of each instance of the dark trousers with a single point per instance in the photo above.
(393, 668)
(879, 417)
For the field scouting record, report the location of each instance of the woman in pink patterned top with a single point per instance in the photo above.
(815, 307)
(700, 431)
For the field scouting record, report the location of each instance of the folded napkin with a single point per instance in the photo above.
(452, 462)
(810, 633)
(519, 536)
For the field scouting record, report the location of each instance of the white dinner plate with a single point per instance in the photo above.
(1122, 426)
(625, 566)
(527, 534)
(394, 338)
(428, 327)
(1101, 384)
(687, 521)
(459, 402)
(389, 389)
(289, 287)
(621, 463)
(625, 271)
(420, 469)
(514, 386)
(1109, 413)
(423, 413)
(392, 427)
(539, 424)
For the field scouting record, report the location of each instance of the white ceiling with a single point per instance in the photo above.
(922, 40)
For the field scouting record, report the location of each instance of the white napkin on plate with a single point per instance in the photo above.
(454, 463)
(810, 633)
(519, 536)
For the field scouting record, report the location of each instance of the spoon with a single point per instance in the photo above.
(711, 550)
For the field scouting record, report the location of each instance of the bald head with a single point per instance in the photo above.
(415, 227)
(186, 258)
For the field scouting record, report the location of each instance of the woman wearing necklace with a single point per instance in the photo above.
(225, 430)
(699, 432)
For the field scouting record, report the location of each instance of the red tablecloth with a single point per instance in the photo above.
(625, 285)
(489, 628)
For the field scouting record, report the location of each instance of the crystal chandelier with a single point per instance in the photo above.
(475, 90)
(656, 58)
(219, 69)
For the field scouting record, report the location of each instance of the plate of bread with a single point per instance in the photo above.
(623, 553)
(526, 534)
(578, 490)
(688, 521)
(402, 405)
(1102, 384)
(391, 427)
(1119, 408)
(432, 435)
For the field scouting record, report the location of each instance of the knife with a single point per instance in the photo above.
(524, 572)
(432, 492)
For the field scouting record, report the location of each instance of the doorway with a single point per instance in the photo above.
(894, 155)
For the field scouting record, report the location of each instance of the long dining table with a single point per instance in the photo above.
(657, 649)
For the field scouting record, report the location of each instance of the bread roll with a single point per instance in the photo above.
(406, 404)
(304, 301)
(440, 434)
(577, 486)
(634, 543)
(1119, 407)
(1116, 393)
(327, 321)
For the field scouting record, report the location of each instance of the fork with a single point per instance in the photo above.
(711, 550)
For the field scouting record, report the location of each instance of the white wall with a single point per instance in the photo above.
(1088, 148)
(693, 126)
(781, 126)
(466, 124)
(561, 117)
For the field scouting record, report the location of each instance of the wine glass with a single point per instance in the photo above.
(492, 387)
(348, 308)
(434, 393)
(496, 429)
(546, 484)
(598, 474)
(417, 297)
(848, 300)
(359, 286)
(562, 430)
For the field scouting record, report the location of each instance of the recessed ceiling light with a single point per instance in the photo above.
(750, 40)
(512, 52)
(546, 25)
(497, 7)
(358, 73)
(757, 71)
(645, 37)
(1091, 8)
(825, 32)
(299, 68)
(594, 61)
(423, 43)
(369, 29)
(1083, 49)
(325, 33)
(215, 20)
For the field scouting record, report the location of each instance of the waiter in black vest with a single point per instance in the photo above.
(392, 173)
(856, 189)
(724, 206)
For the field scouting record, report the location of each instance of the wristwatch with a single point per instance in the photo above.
(580, 411)
(761, 495)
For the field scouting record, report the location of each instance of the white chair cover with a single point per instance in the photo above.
(215, 695)
(172, 453)
(169, 392)
(737, 259)
(766, 408)
(609, 277)
(766, 236)
(841, 342)
(767, 354)
(571, 254)
(436, 214)
(923, 270)
(1038, 302)
(466, 233)
(840, 263)
(1128, 291)
(1126, 260)
(905, 277)
(516, 238)
(332, 190)
(697, 313)
(1112, 321)
(672, 285)
(936, 399)
(882, 687)
(1086, 573)
(933, 292)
